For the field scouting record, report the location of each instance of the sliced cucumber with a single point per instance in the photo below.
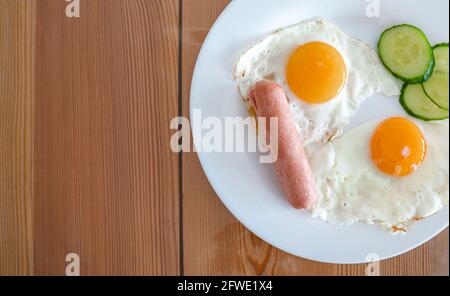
(417, 104)
(441, 56)
(406, 53)
(436, 88)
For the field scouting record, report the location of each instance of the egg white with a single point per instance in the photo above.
(317, 123)
(351, 188)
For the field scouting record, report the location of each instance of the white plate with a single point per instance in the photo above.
(250, 190)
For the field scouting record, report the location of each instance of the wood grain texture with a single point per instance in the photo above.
(228, 248)
(106, 179)
(17, 24)
(85, 162)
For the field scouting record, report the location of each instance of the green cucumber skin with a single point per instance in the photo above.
(431, 98)
(439, 45)
(406, 108)
(414, 80)
(411, 113)
(443, 44)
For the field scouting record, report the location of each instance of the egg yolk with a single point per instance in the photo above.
(316, 72)
(398, 147)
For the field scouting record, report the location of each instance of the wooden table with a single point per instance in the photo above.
(85, 163)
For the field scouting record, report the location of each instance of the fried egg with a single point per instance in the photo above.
(390, 172)
(325, 73)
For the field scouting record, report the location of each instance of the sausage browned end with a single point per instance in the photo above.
(292, 167)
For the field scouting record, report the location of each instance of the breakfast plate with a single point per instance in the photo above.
(249, 189)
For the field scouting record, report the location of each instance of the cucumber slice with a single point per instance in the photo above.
(406, 52)
(417, 104)
(436, 88)
(441, 56)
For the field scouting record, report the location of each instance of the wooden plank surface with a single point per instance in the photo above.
(106, 179)
(17, 24)
(104, 88)
(85, 162)
(228, 248)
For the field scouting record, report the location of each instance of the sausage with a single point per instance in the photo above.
(292, 166)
